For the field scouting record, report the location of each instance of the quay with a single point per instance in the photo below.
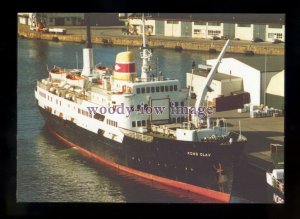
(114, 36)
(250, 180)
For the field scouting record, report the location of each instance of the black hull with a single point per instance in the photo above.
(190, 163)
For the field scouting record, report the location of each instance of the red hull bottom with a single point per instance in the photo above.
(216, 197)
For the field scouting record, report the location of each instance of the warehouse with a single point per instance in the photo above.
(246, 31)
(235, 76)
(243, 26)
(64, 19)
(275, 91)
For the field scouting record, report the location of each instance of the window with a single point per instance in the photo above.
(139, 123)
(143, 90)
(157, 89)
(138, 90)
(279, 35)
(166, 88)
(152, 89)
(275, 35)
(133, 124)
(176, 104)
(162, 88)
(138, 107)
(197, 31)
(213, 32)
(244, 25)
(175, 87)
(143, 122)
(200, 23)
(148, 90)
(171, 87)
(271, 35)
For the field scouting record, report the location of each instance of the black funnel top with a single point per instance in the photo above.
(88, 42)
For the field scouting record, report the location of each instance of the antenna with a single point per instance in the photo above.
(146, 55)
(189, 96)
(156, 65)
(77, 60)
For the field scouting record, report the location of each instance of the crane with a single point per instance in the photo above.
(202, 91)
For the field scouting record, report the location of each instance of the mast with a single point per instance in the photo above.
(146, 55)
(88, 57)
(203, 89)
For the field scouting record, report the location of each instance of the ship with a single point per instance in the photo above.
(275, 176)
(142, 124)
(275, 186)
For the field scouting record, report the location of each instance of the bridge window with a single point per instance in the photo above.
(143, 90)
(175, 87)
(148, 90)
(157, 89)
(138, 90)
(171, 87)
(143, 122)
(162, 88)
(152, 89)
(133, 124)
(167, 88)
(139, 123)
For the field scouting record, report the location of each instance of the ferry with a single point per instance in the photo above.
(140, 123)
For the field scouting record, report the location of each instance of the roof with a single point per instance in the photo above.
(273, 63)
(217, 17)
(276, 85)
(217, 77)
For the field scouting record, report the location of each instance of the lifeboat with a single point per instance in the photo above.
(101, 67)
(57, 74)
(75, 80)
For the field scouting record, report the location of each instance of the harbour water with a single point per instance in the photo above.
(47, 170)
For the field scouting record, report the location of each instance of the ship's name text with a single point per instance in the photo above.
(277, 199)
(198, 154)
